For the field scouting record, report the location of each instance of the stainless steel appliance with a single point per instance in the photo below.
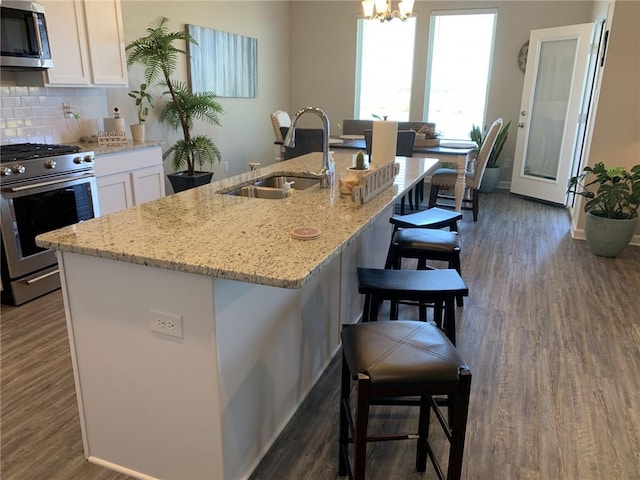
(24, 42)
(43, 188)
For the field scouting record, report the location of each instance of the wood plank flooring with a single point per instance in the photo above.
(551, 334)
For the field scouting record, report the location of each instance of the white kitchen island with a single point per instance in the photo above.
(253, 315)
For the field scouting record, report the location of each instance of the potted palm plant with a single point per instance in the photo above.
(142, 99)
(492, 171)
(613, 198)
(158, 54)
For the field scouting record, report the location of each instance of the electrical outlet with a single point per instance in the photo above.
(68, 110)
(226, 166)
(166, 323)
(507, 162)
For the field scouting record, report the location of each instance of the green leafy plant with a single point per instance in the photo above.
(199, 149)
(157, 52)
(478, 136)
(141, 98)
(617, 191)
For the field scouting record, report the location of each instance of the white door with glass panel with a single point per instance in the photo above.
(550, 111)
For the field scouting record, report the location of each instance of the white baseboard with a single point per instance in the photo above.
(120, 469)
(578, 234)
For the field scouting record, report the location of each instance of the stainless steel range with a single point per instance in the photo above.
(43, 187)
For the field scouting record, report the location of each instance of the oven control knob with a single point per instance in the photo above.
(77, 160)
(19, 169)
(50, 164)
(5, 172)
(88, 159)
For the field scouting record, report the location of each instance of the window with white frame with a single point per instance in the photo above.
(384, 69)
(458, 68)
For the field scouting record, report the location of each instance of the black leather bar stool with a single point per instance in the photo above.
(423, 245)
(431, 218)
(422, 288)
(396, 360)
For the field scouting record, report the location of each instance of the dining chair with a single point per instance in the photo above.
(280, 119)
(445, 178)
(307, 140)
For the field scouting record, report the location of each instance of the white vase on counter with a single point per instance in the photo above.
(137, 132)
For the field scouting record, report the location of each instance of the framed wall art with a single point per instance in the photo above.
(223, 63)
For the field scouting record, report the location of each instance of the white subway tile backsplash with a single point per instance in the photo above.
(30, 101)
(19, 91)
(21, 112)
(34, 114)
(39, 111)
(11, 101)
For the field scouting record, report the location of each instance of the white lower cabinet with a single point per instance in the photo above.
(129, 178)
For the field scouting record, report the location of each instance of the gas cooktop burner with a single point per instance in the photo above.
(26, 151)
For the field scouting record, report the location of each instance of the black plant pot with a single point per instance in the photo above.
(180, 181)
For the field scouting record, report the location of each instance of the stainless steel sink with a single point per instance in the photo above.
(274, 187)
(253, 191)
(279, 181)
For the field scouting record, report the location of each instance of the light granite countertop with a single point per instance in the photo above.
(246, 239)
(109, 149)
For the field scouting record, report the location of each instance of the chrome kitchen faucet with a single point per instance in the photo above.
(326, 171)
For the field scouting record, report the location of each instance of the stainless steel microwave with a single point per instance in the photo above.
(24, 42)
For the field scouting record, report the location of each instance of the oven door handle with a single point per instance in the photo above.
(50, 182)
(42, 277)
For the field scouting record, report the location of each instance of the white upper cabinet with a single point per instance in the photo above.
(87, 42)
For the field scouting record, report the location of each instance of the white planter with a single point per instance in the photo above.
(137, 132)
(607, 237)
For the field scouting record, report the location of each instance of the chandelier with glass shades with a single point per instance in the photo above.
(384, 10)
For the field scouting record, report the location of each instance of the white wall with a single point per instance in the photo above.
(616, 124)
(323, 53)
(616, 136)
(34, 114)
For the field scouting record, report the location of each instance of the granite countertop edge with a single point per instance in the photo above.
(99, 150)
(204, 232)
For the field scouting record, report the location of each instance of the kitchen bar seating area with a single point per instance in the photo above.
(290, 296)
(216, 290)
(183, 301)
(534, 430)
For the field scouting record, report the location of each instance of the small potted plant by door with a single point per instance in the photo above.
(142, 98)
(492, 171)
(613, 198)
(159, 55)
